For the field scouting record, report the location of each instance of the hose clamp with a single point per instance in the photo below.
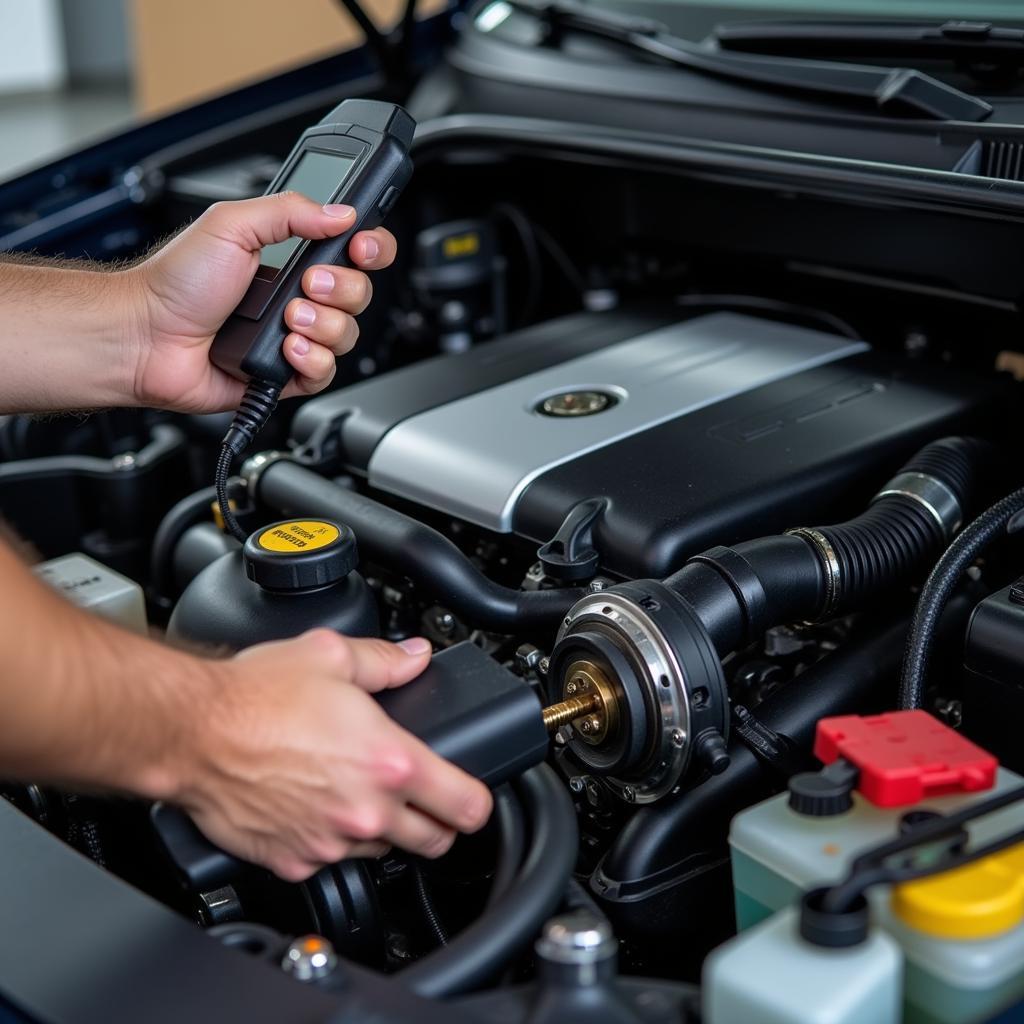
(937, 498)
(253, 467)
(829, 562)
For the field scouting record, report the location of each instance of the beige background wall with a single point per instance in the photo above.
(190, 49)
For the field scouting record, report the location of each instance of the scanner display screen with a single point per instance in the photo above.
(318, 176)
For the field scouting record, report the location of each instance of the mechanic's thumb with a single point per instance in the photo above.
(254, 223)
(371, 664)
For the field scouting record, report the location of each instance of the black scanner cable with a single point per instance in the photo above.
(256, 407)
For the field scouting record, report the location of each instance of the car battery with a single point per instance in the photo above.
(898, 767)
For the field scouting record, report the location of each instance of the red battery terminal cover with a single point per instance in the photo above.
(904, 756)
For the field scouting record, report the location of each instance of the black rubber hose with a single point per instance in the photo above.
(826, 571)
(401, 543)
(939, 587)
(185, 513)
(199, 546)
(740, 592)
(504, 930)
(512, 841)
(894, 537)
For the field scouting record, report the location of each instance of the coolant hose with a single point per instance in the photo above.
(511, 839)
(185, 513)
(399, 542)
(505, 929)
(826, 571)
(940, 585)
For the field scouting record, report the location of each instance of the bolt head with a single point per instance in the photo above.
(309, 958)
(629, 794)
(579, 937)
(543, 665)
(586, 726)
(572, 687)
(528, 656)
(678, 737)
(596, 586)
(577, 784)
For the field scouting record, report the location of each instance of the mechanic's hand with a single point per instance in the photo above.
(297, 766)
(186, 290)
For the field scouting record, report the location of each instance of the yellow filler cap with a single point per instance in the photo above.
(300, 554)
(977, 901)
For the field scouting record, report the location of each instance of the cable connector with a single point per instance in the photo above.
(257, 406)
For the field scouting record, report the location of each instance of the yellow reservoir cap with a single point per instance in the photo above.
(298, 535)
(300, 554)
(977, 901)
(456, 246)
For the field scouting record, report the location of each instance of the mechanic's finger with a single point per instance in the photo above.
(314, 366)
(444, 792)
(373, 250)
(322, 324)
(415, 832)
(293, 869)
(367, 851)
(341, 287)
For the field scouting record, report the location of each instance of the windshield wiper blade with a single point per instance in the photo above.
(949, 40)
(884, 90)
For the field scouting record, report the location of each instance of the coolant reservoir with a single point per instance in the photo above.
(772, 975)
(963, 936)
(289, 577)
(784, 846)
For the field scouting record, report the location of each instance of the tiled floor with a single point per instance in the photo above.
(36, 128)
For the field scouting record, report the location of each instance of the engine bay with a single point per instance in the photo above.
(600, 410)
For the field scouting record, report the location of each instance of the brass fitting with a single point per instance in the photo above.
(590, 703)
(569, 710)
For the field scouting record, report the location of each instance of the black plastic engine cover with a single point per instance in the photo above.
(793, 453)
(736, 458)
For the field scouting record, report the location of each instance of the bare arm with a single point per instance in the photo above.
(79, 338)
(279, 754)
(64, 338)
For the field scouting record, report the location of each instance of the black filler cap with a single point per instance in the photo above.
(300, 554)
(833, 929)
(825, 793)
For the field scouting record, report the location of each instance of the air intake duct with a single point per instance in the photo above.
(648, 654)
(821, 572)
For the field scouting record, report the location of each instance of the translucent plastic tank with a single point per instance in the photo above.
(777, 854)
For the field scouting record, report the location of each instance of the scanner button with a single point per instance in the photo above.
(387, 200)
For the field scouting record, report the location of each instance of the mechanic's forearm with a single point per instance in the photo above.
(65, 337)
(87, 704)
